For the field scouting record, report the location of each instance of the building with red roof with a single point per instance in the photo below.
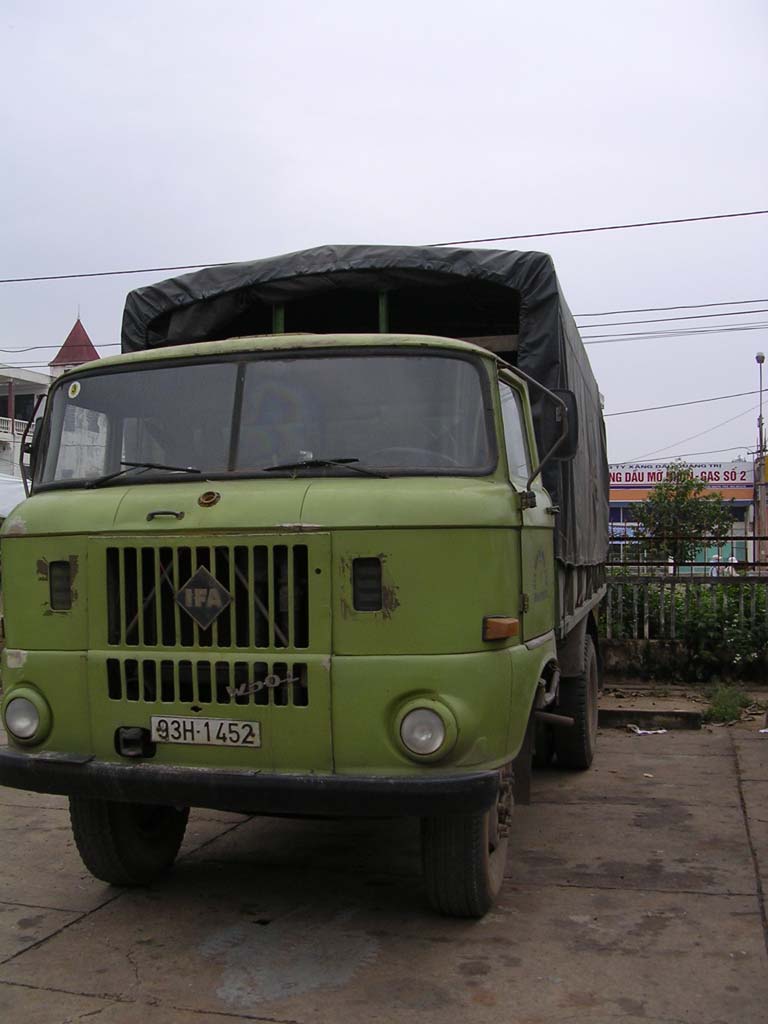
(76, 350)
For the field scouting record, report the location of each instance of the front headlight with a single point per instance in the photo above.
(22, 718)
(27, 715)
(426, 728)
(422, 731)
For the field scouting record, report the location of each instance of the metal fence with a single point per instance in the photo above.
(719, 596)
(661, 607)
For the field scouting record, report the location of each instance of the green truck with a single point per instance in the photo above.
(327, 538)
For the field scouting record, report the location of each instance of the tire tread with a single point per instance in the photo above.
(574, 746)
(109, 851)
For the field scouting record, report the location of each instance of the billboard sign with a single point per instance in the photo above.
(632, 481)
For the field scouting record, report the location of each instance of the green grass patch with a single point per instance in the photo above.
(726, 703)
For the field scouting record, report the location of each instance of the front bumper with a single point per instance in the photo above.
(251, 791)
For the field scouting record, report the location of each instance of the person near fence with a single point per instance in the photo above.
(715, 567)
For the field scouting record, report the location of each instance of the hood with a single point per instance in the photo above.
(273, 504)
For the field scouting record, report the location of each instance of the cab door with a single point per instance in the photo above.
(537, 569)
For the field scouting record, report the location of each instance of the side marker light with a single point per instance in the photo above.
(498, 627)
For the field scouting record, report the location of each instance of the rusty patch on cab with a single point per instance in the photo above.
(42, 568)
(389, 601)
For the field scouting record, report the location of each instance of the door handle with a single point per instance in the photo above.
(164, 512)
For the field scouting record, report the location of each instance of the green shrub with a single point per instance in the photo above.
(718, 638)
(726, 703)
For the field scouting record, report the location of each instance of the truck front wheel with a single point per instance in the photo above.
(126, 844)
(464, 856)
(575, 746)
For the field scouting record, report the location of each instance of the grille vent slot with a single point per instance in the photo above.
(366, 585)
(268, 584)
(147, 681)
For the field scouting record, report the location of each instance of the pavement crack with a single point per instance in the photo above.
(34, 807)
(108, 997)
(40, 830)
(52, 935)
(42, 906)
(213, 839)
(83, 1016)
(759, 891)
(235, 1016)
(131, 960)
(113, 999)
(597, 885)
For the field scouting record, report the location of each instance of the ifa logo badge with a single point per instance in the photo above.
(203, 598)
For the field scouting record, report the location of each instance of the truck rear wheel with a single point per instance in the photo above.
(126, 844)
(464, 856)
(578, 699)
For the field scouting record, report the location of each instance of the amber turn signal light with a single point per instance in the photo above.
(497, 627)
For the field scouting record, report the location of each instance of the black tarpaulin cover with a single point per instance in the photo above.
(466, 293)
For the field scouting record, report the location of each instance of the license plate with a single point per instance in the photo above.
(216, 732)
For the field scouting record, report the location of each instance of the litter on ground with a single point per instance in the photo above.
(644, 732)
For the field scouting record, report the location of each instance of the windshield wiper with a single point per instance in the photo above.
(130, 466)
(325, 463)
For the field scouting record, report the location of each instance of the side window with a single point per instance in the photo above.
(514, 432)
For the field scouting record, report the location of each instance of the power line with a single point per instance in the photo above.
(610, 339)
(609, 227)
(676, 405)
(692, 436)
(112, 273)
(662, 309)
(668, 319)
(589, 339)
(37, 348)
(688, 455)
(466, 241)
(747, 312)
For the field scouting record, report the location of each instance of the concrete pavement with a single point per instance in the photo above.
(633, 894)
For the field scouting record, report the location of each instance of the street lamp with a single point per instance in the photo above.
(761, 520)
(760, 359)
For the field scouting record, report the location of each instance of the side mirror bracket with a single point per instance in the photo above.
(566, 416)
(30, 448)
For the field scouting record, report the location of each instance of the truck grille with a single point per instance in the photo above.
(268, 585)
(151, 681)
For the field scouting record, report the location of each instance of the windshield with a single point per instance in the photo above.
(394, 413)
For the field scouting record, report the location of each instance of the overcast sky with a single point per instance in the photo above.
(156, 134)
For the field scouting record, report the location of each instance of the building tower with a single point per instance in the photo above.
(76, 350)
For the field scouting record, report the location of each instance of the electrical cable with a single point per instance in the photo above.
(589, 339)
(668, 319)
(663, 309)
(467, 241)
(608, 227)
(37, 348)
(611, 339)
(687, 455)
(701, 433)
(677, 405)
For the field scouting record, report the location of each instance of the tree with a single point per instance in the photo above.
(678, 515)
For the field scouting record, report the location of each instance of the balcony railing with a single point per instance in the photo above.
(10, 427)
